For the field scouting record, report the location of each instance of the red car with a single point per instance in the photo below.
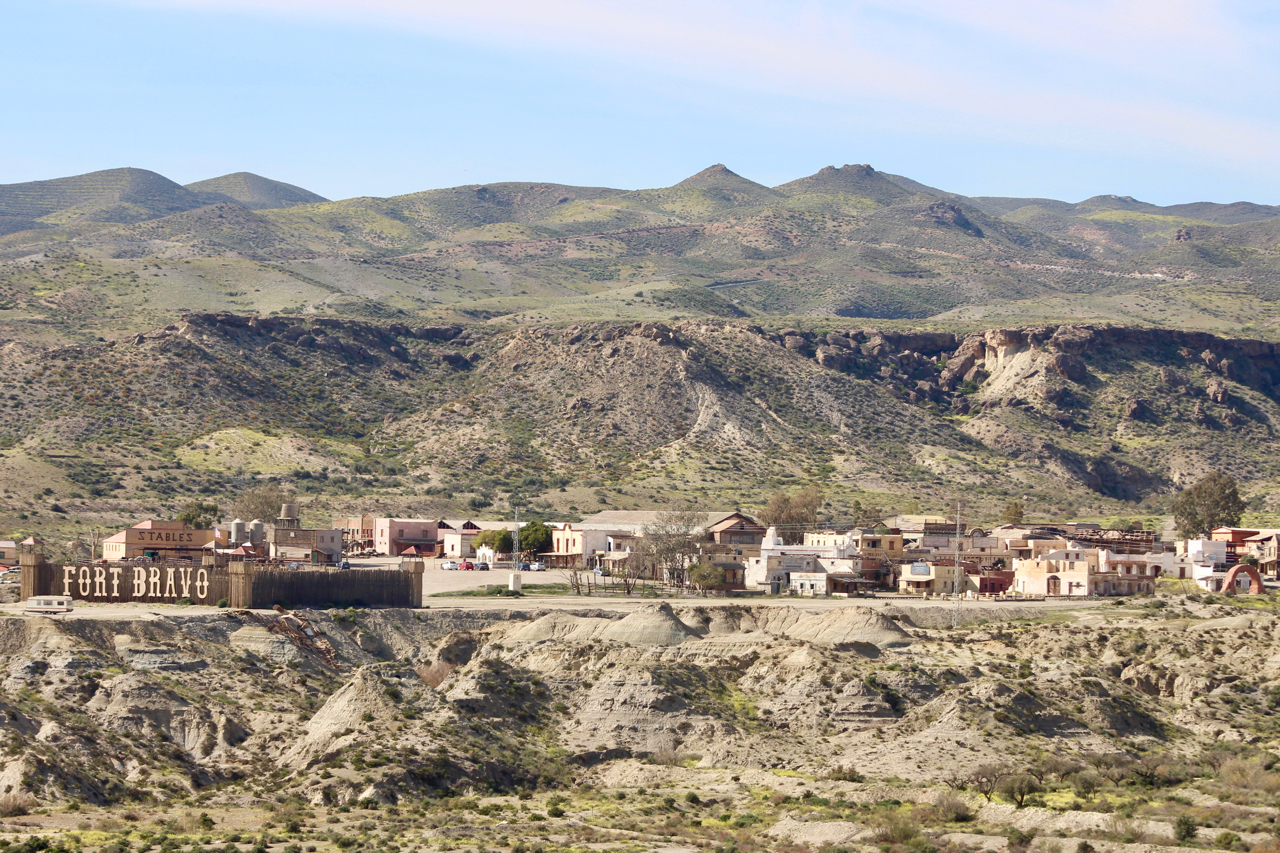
(467, 566)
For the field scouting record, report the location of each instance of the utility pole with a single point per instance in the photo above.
(515, 537)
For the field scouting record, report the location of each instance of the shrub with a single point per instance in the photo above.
(895, 828)
(555, 811)
(1226, 840)
(950, 807)
(840, 773)
(15, 805)
(222, 602)
(1123, 829)
(667, 755)
(1019, 840)
(1184, 828)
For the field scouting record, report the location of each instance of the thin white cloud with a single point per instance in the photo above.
(934, 54)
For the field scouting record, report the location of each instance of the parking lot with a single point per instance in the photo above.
(436, 579)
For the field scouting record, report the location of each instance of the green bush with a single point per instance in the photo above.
(895, 828)
(1184, 828)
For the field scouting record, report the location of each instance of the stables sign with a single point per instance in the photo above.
(144, 582)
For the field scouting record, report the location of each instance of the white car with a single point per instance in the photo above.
(537, 567)
(449, 565)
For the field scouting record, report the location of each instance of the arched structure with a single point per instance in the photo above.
(1255, 581)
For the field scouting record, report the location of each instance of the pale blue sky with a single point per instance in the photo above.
(1168, 101)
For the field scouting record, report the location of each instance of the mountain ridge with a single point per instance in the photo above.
(843, 242)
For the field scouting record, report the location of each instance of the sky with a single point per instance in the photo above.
(1170, 101)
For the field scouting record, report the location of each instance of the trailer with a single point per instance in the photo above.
(43, 604)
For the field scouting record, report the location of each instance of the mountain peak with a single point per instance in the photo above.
(111, 195)
(723, 180)
(717, 172)
(859, 170)
(857, 179)
(1114, 202)
(254, 191)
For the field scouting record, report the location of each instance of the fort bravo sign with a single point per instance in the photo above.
(240, 584)
(141, 583)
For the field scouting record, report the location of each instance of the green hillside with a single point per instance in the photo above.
(113, 195)
(857, 181)
(121, 251)
(447, 419)
(254, 191)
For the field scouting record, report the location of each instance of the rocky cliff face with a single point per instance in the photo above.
(1069, 415)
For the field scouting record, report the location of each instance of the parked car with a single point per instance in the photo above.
(537, 567)
(449, 565)
(482, 567)
(467, 566)
(524, 567)
(345, 564)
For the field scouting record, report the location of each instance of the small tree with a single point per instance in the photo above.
(535, 537)
(986, 778)
(1012, 513)
(1017, 788)
(499, 540)
(262, 502)
(1112, 767)
(861, 516)
(1213, 502)
(199, 515)
(707, 576)
(793, 514)
(1185, 828)
(1085, 784)
(670, 544)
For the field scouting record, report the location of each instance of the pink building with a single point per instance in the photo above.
(391, 536)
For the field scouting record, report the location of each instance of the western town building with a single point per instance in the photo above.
(157, 540)
(289, 540)
(394, 536)
(357, 531)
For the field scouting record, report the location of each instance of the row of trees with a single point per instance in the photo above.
(1214, 501)
(535, 538)
(261, 502)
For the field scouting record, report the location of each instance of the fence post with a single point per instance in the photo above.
(32, 562)
(240, 593)
(415, 568)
